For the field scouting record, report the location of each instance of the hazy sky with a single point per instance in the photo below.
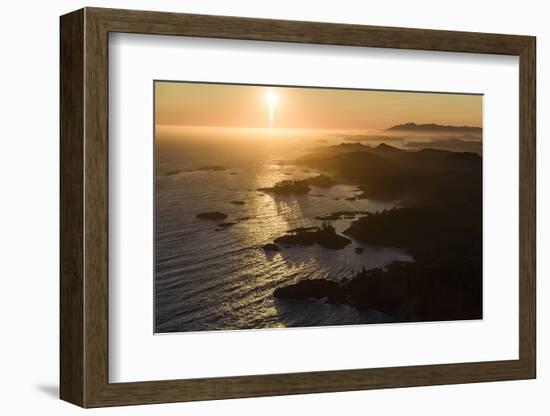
(222, 105)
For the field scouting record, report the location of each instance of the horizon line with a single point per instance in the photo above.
(313, 128)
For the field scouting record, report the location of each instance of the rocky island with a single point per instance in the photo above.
(288, 187)
(214, 215)
(212, 168)
(226, 224)
(299, 186)
(325, 236)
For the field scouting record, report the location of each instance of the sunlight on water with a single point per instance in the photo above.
(210, 277)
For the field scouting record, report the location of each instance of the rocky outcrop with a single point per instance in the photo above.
(288, 187)
(214, 215)
(271, 247)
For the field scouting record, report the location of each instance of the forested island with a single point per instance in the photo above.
(299, 186)
(325, 236)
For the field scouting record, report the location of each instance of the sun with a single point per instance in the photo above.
(272, 99)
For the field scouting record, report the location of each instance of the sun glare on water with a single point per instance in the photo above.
(272, 99)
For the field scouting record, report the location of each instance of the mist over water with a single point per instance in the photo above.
(212, 280)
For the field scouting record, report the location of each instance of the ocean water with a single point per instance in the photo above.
(211, 279)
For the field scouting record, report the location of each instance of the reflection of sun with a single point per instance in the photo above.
(271, 98)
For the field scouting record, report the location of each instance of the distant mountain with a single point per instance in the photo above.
(386, 172)
(433, 128)
(345, 148)
(386, 150)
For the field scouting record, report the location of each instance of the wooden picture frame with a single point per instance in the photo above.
(84, 207)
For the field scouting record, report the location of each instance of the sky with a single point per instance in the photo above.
(248, 106)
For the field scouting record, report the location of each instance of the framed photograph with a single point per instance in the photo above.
(257, 207)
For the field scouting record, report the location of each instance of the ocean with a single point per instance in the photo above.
(219, 278)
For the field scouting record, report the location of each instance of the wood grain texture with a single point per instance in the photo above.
(72, 215)
(527, 207)
(162, 23)
(84, 207)
(96, 217)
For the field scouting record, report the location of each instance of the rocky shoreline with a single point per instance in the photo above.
(443, 283)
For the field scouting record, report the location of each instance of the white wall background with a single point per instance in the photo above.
(29, 206)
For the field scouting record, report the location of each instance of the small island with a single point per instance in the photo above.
(288, 187)
(299, 186)
(211, 168)
(214, 215)
(325, 236)
(244, 218)
(226, 224)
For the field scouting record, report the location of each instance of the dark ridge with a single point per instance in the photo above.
(433, 128)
